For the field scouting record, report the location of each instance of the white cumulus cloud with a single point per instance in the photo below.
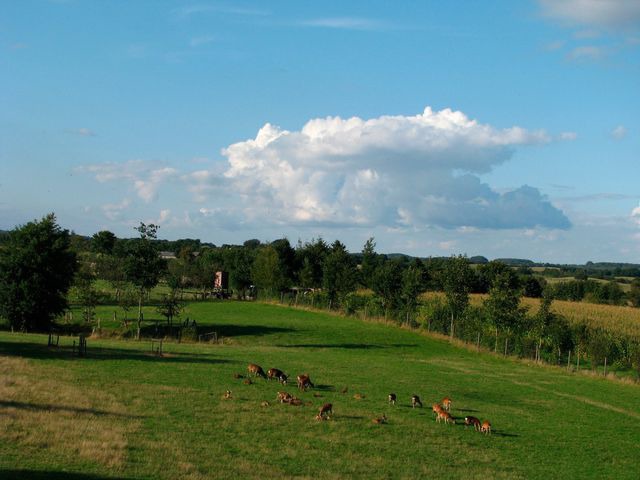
(394, 171)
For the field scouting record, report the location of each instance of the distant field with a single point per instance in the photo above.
(124, 413)
(609, 317)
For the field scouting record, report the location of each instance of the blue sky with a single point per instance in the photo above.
(503, 128)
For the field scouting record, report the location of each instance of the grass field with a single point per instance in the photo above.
(124, 413)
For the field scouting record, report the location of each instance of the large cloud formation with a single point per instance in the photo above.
(395, 171)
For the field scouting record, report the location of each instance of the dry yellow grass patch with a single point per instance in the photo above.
(50, 412)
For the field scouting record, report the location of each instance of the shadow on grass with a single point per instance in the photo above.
(48, 475)
(468, 410)
(41, 351)
(349, 346)
(58, 408)
(503, 434)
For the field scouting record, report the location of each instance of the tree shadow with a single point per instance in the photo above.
(49, 475)
(59, 408)
(41, 351)
(363, 346)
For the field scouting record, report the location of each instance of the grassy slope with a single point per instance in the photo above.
(124, 413)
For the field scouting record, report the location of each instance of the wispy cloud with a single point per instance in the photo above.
(346, 23)
(83, 132)
(619, 132)
(192, 10)
(568, 136)
(607, 14)
(588, 52)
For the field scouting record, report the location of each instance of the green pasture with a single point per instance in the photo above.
(123, 412)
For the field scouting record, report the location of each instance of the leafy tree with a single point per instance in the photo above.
(88, 296)
(634, 293)
(103, 242)
(266, 271)
(457, 278)
(412, 287)
(532, 287)
(503, 306)
(386, 283)
(143, 265)
(339, 273)
(370, 263)
(36, 271)
(310, 257)
(170, 307)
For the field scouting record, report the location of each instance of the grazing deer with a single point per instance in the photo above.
(415, 401)
(256, 370)
(446, 417)
(277, 374)
(486, 427)
(359, 396)
(392, 399)
(304, 382)
(326, 409)
(380, 420)
(284, 397)
(247, 381)
(468, 421)
(320, 418)
(446, 404)
(436, 408)
(295, 401)
(227, 395)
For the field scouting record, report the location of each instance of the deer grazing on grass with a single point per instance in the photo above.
(304, 382)
(468, 421)
(380, 420)
(446, 417)
(284, 397)
(436, 408)
(415, 401)
(446, 404)
(274, 373)
(486, 427)
(326, 410)
(392, 399)
(256, 370)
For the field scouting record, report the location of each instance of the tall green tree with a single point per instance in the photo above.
(339, 273)
(457, 278)
(143, 266)
(503, 306)
(267, 273)
(36, 271)
(370, 262)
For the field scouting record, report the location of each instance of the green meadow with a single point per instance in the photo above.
(123, 412)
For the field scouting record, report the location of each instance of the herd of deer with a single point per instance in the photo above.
(441, 410)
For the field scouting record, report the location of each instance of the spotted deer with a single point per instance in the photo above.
(256, 370)
(380, 420)
(274, 373)
(468, 421)
(446, 404)
(325, 410)
(485, 427)
(304, 382)
(445, 417)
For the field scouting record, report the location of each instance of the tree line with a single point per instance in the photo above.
(39, 263)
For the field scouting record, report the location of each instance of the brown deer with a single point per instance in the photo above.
(358, 396)
(486, 427)
(380, 420)
(227, 395)
(415, 401)
(446, 404)
(274, 373)
(247, 381)
(392, 399)
(468, 421)
(326, 409)
(284, 397)
(256, 370)
(436, 408)
(304, 382)
(320, 418)
(446, 417)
